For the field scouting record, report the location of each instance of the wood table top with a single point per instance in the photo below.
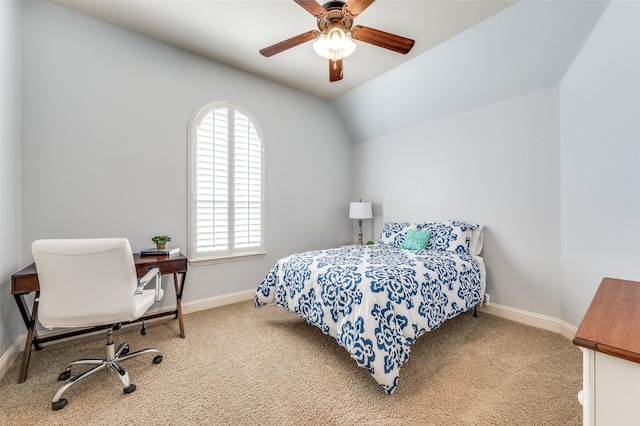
(612, 322)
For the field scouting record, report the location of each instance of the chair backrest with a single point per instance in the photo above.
(85, 282)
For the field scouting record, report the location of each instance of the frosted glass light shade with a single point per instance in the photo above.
(334, 45)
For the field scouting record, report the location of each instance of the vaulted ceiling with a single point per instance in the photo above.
(467, 53)
(525, 48)
(233, 31)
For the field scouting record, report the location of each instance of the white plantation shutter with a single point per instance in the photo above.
(247, 184)
(227, 181)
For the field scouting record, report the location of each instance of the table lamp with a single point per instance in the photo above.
(360, 210)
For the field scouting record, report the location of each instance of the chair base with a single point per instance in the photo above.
(112, 359)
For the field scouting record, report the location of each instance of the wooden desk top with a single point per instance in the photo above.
(612, 322)
(26, 280)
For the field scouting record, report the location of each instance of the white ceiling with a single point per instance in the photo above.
(526, 48)
(233, 31)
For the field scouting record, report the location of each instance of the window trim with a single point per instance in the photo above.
(231, 255)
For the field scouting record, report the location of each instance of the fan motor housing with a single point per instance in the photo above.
(333, 5)
(334, 15)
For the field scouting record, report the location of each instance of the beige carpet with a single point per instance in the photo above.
(241, 365)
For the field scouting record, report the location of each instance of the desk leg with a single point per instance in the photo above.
(179, 288)
(31, 333)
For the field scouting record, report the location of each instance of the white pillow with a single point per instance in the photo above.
(477, 240)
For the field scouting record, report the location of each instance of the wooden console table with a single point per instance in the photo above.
(609, 337)
(26, 281)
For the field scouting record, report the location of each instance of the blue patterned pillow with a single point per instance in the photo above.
(393, 233)
(477, 235)
(416, 240)
(449, 236)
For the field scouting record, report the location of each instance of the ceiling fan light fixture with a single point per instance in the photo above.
(334, 44)
(334, 38)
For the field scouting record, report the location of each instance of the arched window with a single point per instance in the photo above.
(226, 184)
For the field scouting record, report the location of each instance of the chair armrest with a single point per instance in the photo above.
(142, 282)
(146, 278)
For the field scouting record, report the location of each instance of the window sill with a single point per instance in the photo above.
(227, 259)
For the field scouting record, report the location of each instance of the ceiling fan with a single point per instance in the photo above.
(335, 34)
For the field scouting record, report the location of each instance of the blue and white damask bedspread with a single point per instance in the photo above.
(375, 300)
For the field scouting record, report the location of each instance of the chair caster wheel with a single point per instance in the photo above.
(157, 359)
(59, 404)
(125, 350)
(130, 388)
(64, 376)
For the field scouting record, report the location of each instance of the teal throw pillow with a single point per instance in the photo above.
(416, 240)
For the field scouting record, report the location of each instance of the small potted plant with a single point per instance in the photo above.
(161, 241)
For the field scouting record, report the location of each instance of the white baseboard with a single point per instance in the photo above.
(530, 318)
(214, 302)
(11, 355)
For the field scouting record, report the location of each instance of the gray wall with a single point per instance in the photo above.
(553, 174)
(104, 145)
(498, 166)
(10, 217)
(600, 110)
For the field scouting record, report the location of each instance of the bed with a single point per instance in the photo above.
(376, 300)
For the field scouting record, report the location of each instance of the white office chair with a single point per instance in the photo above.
(93, 282)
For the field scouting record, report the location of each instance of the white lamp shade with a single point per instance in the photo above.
(360, 210)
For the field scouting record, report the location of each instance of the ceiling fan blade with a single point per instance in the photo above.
(354, 8)
(289, 43)
(382, 39)
(335, 70)
(312, 6)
